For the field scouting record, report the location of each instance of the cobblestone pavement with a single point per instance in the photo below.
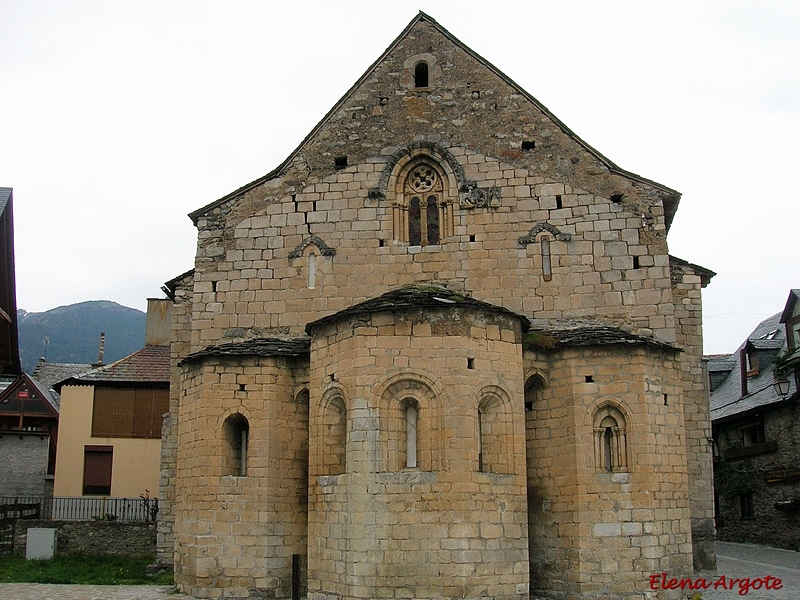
(742, 561)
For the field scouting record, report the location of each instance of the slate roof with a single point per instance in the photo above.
(720, 362)
(670, 199)
(148, 366)
(50, 374)
(727, 400)
(415, 298)
(593, 334)
(297, 347)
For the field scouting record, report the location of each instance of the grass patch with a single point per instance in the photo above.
(87, 570)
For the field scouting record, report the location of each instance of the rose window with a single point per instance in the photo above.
(422, 179)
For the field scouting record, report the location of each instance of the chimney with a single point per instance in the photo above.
(158, 327)
(102, 350)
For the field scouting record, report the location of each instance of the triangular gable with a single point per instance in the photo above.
(669, 197)
(27, 396)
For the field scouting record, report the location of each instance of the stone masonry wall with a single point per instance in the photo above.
(442, 529)
(236, 534)
(179, 348)
(697, 409)
(26, 474)
(251, 287)
(597, 533)
(90, 538)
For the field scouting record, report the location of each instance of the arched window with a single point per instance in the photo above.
(414, 222)
(312, 271)
(411, 414)
(334, 457)
(410, 426)
(421, 75)
(610, 440)
(494, 435)
(432, 220)
(547, 266)
(533, 391)
(420, 224)
(236, 430)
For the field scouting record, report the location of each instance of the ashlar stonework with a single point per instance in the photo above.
(441, 351)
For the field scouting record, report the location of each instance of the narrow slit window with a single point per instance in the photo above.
(547, 269)
(412, 415)
(312, 271)
(608, 436)
(480, 441)
(414, 223)
(432, 220)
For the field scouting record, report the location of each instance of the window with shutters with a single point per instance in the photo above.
(129, 413)
(97, 464)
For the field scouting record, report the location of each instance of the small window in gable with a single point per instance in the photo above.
(421, 75)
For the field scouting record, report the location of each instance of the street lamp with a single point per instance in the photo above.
(781, 386)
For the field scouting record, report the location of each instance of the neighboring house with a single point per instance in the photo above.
(111, 419)
(28, 438)
(756, 434)
(440, 351)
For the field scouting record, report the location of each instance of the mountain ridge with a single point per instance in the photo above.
(73, 332)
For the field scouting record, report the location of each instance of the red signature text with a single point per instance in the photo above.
(660, 581)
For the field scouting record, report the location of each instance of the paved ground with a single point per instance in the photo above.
(734, 561)
(741, 561)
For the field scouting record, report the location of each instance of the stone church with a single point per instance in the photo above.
(441, 351)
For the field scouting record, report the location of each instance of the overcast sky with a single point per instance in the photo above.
(119, 118)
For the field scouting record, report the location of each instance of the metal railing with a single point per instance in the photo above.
(85, 508)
